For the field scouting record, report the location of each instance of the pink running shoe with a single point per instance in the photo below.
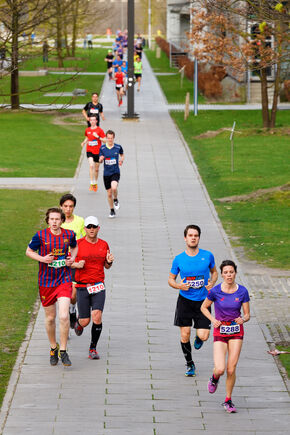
(212, 386)
(229, 406)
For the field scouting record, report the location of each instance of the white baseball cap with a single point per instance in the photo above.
(91, 220)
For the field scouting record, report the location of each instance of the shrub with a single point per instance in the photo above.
(209, 81)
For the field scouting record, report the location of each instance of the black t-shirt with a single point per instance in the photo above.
(110, 62)
(94, 109)
(139, 51)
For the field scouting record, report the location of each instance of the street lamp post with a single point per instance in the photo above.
(130, 96)
(149, 23)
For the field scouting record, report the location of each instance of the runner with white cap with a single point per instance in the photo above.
(93, 257)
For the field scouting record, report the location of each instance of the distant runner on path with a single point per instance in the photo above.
(228, 299)
(195, 266)
(50, 247)
(93, 256)
(112, 155)
(138, 72)
(119, 79)
(75, 223)
(109, 59)
(93, 108)
(94, 135)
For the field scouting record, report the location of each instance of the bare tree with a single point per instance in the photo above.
(246, 35)
(19, 17)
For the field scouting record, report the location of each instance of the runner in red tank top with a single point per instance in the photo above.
(94, 135)
(119, 79)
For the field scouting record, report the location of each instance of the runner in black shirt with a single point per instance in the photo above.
(109, 59)
(93, 108)
(139, 50)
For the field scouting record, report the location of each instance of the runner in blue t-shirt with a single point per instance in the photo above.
(228, 299)
(117, 62)
(198, 274)
(112, 155)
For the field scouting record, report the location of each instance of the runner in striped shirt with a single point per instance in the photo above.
(50, 247)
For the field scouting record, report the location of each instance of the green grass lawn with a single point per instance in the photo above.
(171, 85)
(33, 89)
(32, 146)
(87, 60)
(259, 225)
(285, 359)
(18, 274)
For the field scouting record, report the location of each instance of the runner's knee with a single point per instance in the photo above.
(97, 316)
(84, 322)
(185, 336)
(203, 335)
(219, 371)
(63, 316)
(231, 370)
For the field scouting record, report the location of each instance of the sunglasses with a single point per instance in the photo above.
(91, 226)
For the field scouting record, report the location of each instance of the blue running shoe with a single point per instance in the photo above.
(197, 343)
(190, 370)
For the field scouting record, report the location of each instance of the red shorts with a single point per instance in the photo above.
(49, 295)
(224, 339)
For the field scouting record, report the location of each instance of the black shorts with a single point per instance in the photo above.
(109, 179)
(86, 302)
(138, 75)
(188, 311)
(94, 156)
(118, 89)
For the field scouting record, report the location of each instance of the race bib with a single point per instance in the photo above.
(110, 162)
(93, 143)
(195, 281)
(230, 329)
(119, 86)
(57, 263)
(95, 111)
(96, 288)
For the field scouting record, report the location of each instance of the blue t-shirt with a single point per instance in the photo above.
(196, 271)
(117, 63)
(227, 306)
(111, 161)
(124, 68)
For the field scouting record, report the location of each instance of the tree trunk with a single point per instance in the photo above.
(275, 96)
(75, 28)
(14, 76)
(66, 42)
(64, 20)
(265, 101)
(58, 34)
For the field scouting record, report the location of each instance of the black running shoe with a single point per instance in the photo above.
(78, 329)
(72, 319)
(116, 204)
(54, 355)
(112, 214)
(65, 358)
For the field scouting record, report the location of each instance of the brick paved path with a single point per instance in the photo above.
(138, 386)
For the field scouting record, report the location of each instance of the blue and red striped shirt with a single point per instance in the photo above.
(45, 243)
